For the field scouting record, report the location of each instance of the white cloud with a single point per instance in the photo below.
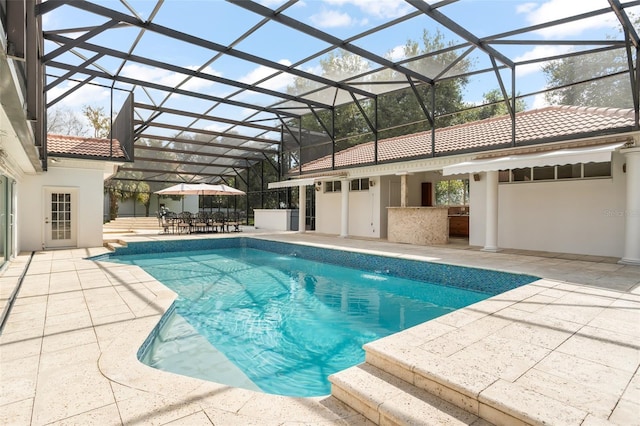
(552, 10)
(526, 7)
(396, 54)
(88, 94)
(376, 8)
(539, 101)
(271, 3)
(331, 19)
(537, 53)
(279, 82)
(216, 127)
(169, 78)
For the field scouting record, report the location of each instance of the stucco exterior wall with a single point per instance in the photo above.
(31, 204)
(364, 212)
(328, 212)
(576, 216)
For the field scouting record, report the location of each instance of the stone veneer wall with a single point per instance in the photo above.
(418, 225)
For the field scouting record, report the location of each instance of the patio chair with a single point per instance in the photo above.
(201, 222)
(167, 222)
(234, 222)
(217, 221)
(184, 222)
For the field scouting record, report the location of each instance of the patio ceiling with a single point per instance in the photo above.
(212, 93)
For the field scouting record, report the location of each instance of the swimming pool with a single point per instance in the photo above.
(281, 317)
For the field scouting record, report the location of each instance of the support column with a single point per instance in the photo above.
(491, 219)
(344, 212)
(404, 191)
(632, 210)
(302, 208)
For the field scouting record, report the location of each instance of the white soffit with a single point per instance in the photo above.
(292, 182)
(306, 181)
(594, 154)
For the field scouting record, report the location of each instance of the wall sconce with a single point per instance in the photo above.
(476, 177)
(318, 186)
(372, 183)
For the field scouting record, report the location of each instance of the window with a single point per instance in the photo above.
(544, 173)
(570, 171)
(597, 169)
(335, 186)
(360, 184)
(565, 171)
(452, 192)
(521, 175)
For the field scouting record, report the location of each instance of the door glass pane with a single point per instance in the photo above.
(61, 216)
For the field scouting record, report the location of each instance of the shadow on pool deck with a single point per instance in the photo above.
(67, 352)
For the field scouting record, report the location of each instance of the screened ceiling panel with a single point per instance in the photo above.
(234, 76)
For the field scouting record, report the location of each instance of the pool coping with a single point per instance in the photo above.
(119, 363)
(139, 392)
(142, 379)
(415, 269)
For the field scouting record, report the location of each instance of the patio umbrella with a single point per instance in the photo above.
(223, 189)
(191, 189)
(199, 189)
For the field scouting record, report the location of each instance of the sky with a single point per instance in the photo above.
(223, 23)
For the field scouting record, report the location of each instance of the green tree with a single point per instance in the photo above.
(398, 112)
(599, 87)
(98, 120)
(493, 105)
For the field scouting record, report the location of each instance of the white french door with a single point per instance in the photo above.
(60, 221)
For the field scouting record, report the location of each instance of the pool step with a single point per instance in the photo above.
(385, 399)
(114, 244)
(398, 383)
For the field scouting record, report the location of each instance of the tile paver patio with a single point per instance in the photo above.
(68, 350)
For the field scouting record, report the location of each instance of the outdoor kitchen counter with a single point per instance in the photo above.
(418, 225)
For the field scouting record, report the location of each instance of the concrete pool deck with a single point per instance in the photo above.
(568, 342)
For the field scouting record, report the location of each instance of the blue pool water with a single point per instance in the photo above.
(280, 322)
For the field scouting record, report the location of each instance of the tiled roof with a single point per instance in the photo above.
(554, 122)
(95, 148)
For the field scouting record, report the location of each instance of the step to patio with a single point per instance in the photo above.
(490, 399)
(130, 224)
(385, 399)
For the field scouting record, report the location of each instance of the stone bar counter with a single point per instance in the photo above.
(418, 225)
